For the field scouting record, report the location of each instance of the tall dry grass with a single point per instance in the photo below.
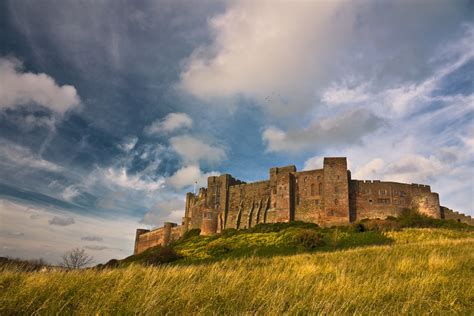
(435, 276)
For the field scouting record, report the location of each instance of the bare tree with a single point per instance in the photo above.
(76, 259)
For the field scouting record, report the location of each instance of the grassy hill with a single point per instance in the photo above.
(379, 267)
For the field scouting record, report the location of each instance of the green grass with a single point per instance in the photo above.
(421, 271)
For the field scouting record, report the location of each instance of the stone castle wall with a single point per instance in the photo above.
(447, 213)
(325, 196)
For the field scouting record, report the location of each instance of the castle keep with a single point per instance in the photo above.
(325, 196)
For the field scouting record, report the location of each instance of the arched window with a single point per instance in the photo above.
(336, 202)
(313, 189)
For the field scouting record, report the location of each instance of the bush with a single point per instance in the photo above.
(229, 232)
(376, 225)
(307, 238)
(277, 227)
(217, 248)
(412, 218)
(191, 233)
(162, 254)
(23, 265)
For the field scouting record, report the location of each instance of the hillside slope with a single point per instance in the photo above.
(427, 270)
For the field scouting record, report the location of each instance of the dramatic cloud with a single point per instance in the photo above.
(269, 50)
(70, 193)
(313, 163)
(343, 94)
(345, 129)
(169, 210)
(170, 123)
(193, 150)
(188, 175)
(92, 238)
(120, 177)
(370, 170)
(23, 157)
(61, 221)
(22, 89)
(128, 143)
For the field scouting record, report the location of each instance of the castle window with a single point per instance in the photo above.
(338, 177)
(402, 194)
(383, 201)
(316, 202)
(313, 189)
(319, 177)
(336, 202)
(320, 189)
(336, 189)
(370, 201)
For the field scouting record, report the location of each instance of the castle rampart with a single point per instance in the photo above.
(326, 196)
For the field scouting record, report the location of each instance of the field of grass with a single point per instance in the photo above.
(414, 271)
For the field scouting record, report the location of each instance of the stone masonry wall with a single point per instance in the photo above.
(447, 213)
(379, 199)
(309, 202)
(161, 236)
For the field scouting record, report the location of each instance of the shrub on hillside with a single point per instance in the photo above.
(276, 227)
(160, 255)
(229, 232)
(217, 248)
(191, 233)
(307, 238)
(376, 225)
(412, 218)
(23, 265)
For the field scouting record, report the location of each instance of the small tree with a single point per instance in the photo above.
(76, 258)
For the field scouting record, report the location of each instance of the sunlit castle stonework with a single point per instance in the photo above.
(326, 196)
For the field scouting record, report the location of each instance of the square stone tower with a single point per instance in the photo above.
(335, 191)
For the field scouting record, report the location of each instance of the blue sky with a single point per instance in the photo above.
(109, 111)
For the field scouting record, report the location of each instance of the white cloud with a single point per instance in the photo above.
(344, 129)
(69, 193)
(273, 51)
(20, 156)
(409, 168)
(193, 150)
(187, 175)
(407, 97)
(170, 123)
(371, 170)
(128, 143)
(342, 94)
(312, 163)
(23, 89)
(119, 177)
(169, 210)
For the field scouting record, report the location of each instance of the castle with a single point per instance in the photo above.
(326, 196)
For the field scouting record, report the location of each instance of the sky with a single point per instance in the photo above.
(110, 110)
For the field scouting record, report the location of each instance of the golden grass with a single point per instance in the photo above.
(430, 276)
